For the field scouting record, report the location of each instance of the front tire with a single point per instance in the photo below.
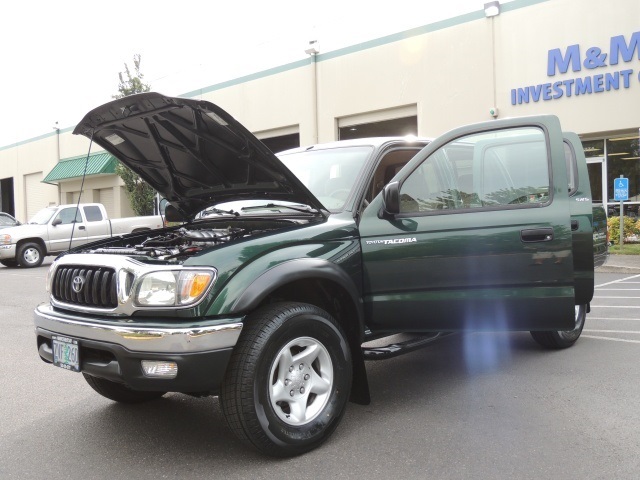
(563, 339)
(119, 392)
(288, 379)
(30, 255)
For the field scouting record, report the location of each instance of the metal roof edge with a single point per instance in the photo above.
(91, 155)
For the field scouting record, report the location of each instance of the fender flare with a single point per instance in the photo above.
(298, 269)
(39, 240)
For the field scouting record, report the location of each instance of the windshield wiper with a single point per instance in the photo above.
(297, 208)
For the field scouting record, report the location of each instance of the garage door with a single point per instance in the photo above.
(105, 196)
(35, 198)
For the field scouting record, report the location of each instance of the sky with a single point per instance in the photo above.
(59, 60)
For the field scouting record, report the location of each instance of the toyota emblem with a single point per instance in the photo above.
(77, 284)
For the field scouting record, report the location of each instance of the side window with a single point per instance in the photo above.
(572, 167)
(428, 187)
(515, 168)
(390, 164)
(92, 213)
(67, 216)
(487, 170)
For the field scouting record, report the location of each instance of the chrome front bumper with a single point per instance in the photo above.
(208, 335)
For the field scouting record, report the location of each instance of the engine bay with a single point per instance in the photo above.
(177, 244)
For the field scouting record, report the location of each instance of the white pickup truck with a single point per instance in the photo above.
(56, 229)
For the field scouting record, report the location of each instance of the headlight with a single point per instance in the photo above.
(5, 239)
(50, 277)
(173, 288)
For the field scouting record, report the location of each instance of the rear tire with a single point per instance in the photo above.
(119, 392)
(30, 255)
(288, 379)
(563, 339)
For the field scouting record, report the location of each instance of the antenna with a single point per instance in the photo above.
(84, 174)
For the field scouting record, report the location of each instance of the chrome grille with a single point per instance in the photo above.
(85, 285)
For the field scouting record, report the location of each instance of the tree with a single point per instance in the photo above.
(139, 192)
(132, 84)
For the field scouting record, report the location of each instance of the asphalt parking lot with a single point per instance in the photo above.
(480, 405)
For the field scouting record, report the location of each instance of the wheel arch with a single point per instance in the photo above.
(309, 280)
(326, 285)
(37, 240)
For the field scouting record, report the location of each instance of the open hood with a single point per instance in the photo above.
(192, 152)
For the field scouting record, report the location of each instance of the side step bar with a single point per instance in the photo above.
(395, 349)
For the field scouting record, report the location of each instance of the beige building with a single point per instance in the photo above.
(577, 59)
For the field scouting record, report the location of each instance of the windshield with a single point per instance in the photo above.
(6, 220)
(329, 174)
(43, 216)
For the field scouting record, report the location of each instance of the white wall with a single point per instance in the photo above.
(451, 74)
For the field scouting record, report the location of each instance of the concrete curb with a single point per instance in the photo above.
(627, 264)
(618, 269)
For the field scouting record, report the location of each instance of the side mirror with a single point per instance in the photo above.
(171, 214)
(391, 198)
(56, 222)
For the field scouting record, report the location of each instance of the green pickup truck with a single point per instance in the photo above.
(282, 267)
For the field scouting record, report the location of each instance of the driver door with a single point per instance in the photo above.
(479, 237)
(67, 221)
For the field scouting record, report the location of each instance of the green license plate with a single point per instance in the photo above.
(66, 353)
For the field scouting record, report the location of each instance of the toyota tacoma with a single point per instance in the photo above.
(281, 267)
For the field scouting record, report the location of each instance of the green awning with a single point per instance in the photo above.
(69, 168)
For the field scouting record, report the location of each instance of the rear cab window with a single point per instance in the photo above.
(93, 213)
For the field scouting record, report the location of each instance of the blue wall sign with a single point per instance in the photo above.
(621, 189)
(576, 59)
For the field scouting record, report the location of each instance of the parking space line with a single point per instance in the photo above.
(619, 289)
(613, 306)
(611, 338)
(612, 331)
(604, 296)
(589, 317)
(617, 281)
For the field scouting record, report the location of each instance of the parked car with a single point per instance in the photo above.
(7, 220)
(296, 260)
(58, 228)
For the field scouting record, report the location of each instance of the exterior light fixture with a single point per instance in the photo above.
(313, 48)
(492, 9)
(159, 368)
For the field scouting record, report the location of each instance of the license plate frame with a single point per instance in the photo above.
(66, 352)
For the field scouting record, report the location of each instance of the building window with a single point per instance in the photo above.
(594, 152)
(623, 158)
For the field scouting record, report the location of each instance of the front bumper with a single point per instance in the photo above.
(8, 252)
(113, 348)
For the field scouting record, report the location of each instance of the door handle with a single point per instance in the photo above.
(574, 225)
(536, 235)
(81, 227)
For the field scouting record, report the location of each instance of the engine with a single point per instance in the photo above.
(178, 243)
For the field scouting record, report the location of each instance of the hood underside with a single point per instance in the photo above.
(192, 152)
